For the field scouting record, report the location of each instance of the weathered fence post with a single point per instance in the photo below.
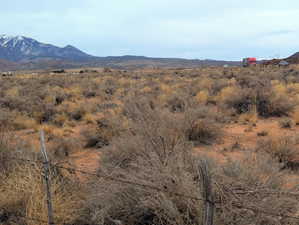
(46, 165)
(207, 194)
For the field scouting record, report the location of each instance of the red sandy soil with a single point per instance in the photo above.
(245, 138)
(237, 139)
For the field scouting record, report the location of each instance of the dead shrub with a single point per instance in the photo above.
(63, 147)
(282, 149)
(272, 104)
(5, 154)
(102, 135)
(22, 191)
(201, 126)
(262, 133)
(107, 70)
(23, 122)
(240, 100)
(45, 113)
(295, 115)
(156, 153)
(89, 93)
(247, 186)
(203, 132)
(203, 112)
(176, 104)
(60, 119)
(286, 123)
(77, 114)
(6, 119)
(153, 153)
(95, 139)
(267, 102)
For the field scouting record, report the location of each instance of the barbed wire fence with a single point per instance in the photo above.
(207, 195)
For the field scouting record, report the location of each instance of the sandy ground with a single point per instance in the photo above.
(237, 139)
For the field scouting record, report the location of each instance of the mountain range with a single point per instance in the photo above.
(293, 59)
(22, 53)
(22, 49)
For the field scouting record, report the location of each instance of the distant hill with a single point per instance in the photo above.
(134, 62)
(7, 65)
(19, 52)
(294, 59)
(22, 49)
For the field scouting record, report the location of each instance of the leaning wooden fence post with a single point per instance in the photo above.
(46, 165)
(207, 194)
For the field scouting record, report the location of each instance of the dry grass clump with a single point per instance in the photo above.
(90, 118)
(286, 123)
(70, 111)
(176, 104)
(262, 133)
(5, 164)
(95, 138)
(283, 149)
(60, 119)
(278, 105)
(240, 100)
(204, 132)
(248, 190)
(52, 131)
(103, 133)
(267, 101)
(249, 117)
(202, 125)
(64, 147)
(22, 191)
(6, 119)
(22, 122)
(202, 97)
(295, 115)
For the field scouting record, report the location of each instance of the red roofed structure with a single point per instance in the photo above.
(249, 61)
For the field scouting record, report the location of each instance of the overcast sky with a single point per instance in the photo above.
(204, 29)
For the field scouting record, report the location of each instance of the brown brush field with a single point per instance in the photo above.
(152, 127)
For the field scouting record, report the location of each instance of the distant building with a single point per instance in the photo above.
(249, 62)
(283, 63)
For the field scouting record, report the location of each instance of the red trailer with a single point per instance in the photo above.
(249, 61)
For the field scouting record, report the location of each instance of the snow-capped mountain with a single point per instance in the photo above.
(20, 48)
(23, 53)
